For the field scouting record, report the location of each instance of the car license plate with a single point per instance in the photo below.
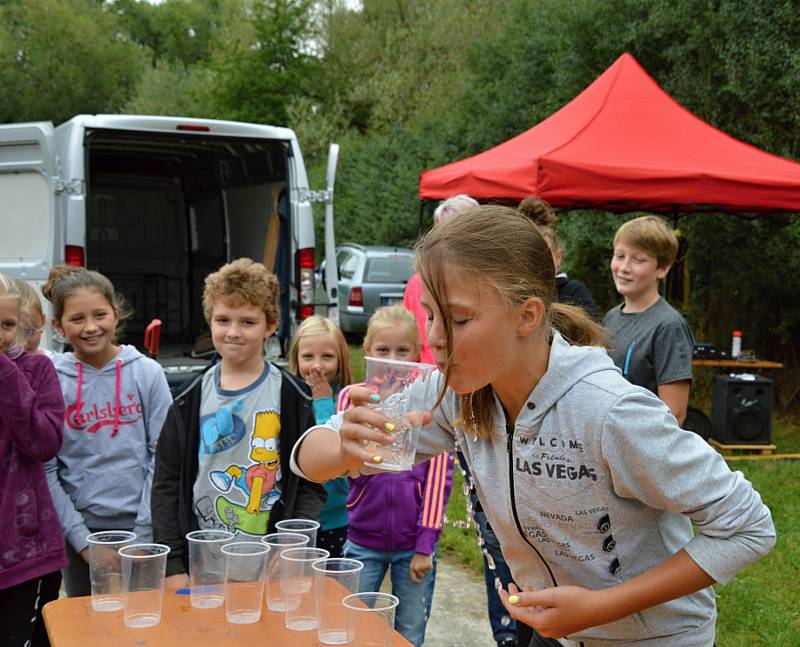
(391, 301)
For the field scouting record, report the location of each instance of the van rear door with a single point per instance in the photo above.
(31, 240)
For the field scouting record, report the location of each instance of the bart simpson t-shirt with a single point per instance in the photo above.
(238, 478)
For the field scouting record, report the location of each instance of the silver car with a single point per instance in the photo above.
(370, 277)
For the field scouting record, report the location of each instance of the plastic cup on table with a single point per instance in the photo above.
(207, 567)
(390, 379)
(334, 578)
(278, 543)
(306, 527)
(143, 569)
(298, 587)
(245, 563)
(105, 568)
(370, 618)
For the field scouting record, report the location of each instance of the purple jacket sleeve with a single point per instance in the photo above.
(438, 484)
(32, 414)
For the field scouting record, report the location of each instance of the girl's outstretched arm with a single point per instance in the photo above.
(564, 610)
(322, 454)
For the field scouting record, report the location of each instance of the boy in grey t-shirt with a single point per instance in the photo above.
(651, 341)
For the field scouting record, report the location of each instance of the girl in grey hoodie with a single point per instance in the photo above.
(116, 402)
(590, 485)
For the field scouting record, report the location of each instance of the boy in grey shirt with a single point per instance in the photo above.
(650, 341)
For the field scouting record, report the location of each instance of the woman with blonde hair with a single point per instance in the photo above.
(588, 481)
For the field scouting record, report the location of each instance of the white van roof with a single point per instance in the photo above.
(190, 125)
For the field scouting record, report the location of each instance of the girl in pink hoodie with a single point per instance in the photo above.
(31, 543)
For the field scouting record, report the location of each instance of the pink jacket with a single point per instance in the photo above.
(411, 302)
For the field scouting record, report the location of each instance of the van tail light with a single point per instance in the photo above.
(73, 255)
(305, 262)
(356, 297)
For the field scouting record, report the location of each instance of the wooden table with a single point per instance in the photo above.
(735, 363)
(71, 622)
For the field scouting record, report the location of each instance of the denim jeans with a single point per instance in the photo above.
(412, 613)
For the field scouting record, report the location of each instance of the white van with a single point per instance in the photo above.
(156, 204)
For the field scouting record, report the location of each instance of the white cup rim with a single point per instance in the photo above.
(303, 539)
(312, 525)
(92, 538)
(287, 555)
(319, 565)
(160, 550)
(425, 368)
(189, 537)
(388, 597)
(259, 549)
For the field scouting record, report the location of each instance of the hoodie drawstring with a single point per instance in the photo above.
(78, 403)
(117, 403)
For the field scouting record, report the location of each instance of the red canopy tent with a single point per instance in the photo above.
(623, 144)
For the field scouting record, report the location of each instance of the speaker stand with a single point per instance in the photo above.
(733, 450)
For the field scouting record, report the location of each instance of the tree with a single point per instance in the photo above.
(62, 57)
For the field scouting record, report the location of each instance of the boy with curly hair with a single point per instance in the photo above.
(222, 460)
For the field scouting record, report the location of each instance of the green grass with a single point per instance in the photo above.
(761, 606)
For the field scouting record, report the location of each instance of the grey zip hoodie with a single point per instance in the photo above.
(101, 478)
(595, 484)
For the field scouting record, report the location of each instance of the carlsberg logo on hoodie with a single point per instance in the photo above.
(102, 475)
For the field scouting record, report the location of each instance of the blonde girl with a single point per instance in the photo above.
(588, 481)
(319, 354)
(31, 415)
(33, 318)
(116, 402)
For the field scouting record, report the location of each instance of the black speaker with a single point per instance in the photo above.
(698, 422)
(741, 410)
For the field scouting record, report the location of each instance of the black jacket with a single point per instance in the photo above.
(177, 464)
(575, 293)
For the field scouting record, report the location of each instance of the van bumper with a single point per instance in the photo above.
(350, 322)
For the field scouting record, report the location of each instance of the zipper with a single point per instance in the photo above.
(510, 450)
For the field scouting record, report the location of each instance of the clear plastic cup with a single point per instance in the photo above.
(298, 587)
(370, 619)
(105, 568)
(143, 569)
(207, 567)
(306, 527)
(278, 543)
(390, 379)
(245, 563)
(334, 578)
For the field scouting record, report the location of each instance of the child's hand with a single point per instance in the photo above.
(556, 612)
(85, 554)
(319, 385)
(362, 426)
(421, 565)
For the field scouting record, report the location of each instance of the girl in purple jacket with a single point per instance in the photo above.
(394, 519)
(31, 543)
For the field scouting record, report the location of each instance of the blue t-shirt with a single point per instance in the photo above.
(334, 514)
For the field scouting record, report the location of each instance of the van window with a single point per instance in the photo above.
(389, 269)
(26, 214)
